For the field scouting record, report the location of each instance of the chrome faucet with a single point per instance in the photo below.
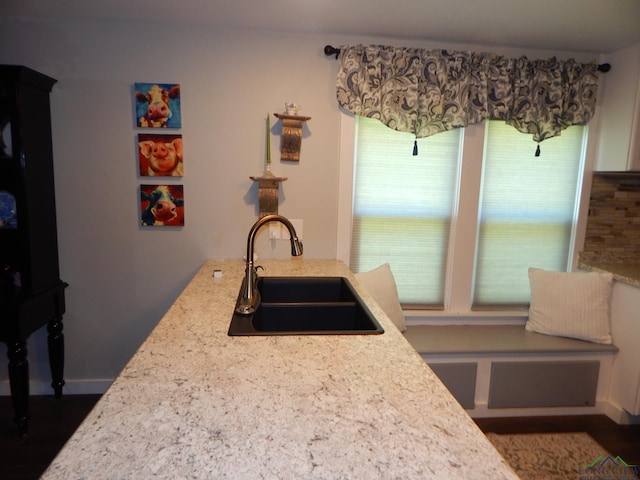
(250, 298)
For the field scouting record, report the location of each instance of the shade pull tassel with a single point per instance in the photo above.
(538, 151)
(415, 147)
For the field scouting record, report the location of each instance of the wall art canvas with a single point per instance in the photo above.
(160, 155)
(162, 205)
(157, 105)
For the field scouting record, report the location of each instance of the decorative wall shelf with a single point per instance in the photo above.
(291, 136)
(268, 187)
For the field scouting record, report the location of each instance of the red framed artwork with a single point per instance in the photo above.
(160, 155)
(162, 205)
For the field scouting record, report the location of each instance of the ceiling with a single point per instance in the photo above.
(596, 26)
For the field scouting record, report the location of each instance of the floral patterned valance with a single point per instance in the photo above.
(424, 92)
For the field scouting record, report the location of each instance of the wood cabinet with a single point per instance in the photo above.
(31, 291)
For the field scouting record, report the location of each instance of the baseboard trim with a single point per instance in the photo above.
(71, 387)
(482, 411)
(615, 413)
(620, 415)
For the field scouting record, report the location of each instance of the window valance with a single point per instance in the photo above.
(425, 92)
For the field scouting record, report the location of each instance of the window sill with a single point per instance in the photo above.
(439, 317)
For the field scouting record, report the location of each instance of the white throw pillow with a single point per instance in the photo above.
(570, 304)
(381, 285)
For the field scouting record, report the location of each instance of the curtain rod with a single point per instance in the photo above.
(329, 50)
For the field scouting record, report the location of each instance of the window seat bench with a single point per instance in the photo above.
(504, 370)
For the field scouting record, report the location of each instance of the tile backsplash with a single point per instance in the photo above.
(613, 224)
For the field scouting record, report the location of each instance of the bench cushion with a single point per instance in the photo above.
(570, 304)
(381, 285)
(499, 339)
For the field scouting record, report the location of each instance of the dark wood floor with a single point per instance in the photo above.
(53, 421)
(622, 440)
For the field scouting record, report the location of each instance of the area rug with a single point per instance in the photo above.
(559, 456)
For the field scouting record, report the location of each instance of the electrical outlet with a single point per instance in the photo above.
(278, 231)
(275, 229)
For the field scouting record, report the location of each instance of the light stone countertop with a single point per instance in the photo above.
(195, 403)
(628, 273)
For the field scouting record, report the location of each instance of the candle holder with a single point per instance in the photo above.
(268, 189)
(268, 183)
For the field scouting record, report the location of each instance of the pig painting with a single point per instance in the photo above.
(160, 155)
(158, 105)
(161, 205)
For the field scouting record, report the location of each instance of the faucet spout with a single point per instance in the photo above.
(250, 297)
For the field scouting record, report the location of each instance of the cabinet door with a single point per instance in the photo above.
(10, 238)
(28, 242)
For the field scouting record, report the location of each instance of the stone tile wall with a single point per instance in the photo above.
(613, 225)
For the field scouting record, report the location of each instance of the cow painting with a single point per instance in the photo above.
(158, 105)
(160, 155)
(161, 205)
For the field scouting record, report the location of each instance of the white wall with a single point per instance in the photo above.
(123, 277)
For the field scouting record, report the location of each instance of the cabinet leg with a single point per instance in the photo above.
(19, 382)
(56, 355)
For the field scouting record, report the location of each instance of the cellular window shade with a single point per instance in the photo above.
(527, 213)
(402, 207)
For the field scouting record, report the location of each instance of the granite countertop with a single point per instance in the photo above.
(196, 403)
(623, 272)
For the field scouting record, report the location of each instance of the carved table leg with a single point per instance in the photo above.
(56, 354)
(19, 382)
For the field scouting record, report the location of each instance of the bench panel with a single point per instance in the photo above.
(543, 384)
(460, 380)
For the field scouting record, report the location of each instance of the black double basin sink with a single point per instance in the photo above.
(306, 306)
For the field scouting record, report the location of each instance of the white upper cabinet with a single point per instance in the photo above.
(634, 146)
(619, 112)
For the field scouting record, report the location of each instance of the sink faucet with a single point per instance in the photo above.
(250, 298)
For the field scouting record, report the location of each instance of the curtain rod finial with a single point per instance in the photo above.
(329, 50)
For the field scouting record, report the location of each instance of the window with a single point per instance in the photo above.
(527, 210)
(461, 222)
(402, 207)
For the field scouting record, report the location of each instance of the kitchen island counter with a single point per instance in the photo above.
(194, 402)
